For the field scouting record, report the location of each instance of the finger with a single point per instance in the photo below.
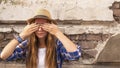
(46, 25)
(34, 25)
(33, 29)
(46, 29)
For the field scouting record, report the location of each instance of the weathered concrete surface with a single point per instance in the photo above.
(117, 0)
(63, 10)
(111, 51)
(72, 27)
(103, 65)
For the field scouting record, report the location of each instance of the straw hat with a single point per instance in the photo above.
(41, 13)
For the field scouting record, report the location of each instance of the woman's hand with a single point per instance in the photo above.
(51, 28)
(67, 43)
(28, 30)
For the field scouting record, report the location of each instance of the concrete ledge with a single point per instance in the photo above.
(100, 65)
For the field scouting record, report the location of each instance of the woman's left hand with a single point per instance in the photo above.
(51, 28)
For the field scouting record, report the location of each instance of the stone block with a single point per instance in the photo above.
(74, 30)
(78, 37)
(110, 53)
(1, 36)
(11, 65)
(96, 37)
(116, 12)
(9, 36)
(91, 52)
(4, 29)
(4, 43)
(88, 44)
(105, 36)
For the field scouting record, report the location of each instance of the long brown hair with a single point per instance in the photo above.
(32, 53)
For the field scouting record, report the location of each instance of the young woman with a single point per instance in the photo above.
(46, 46)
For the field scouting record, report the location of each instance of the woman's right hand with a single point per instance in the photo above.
(28, 30)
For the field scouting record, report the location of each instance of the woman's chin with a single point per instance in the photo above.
(41, 36)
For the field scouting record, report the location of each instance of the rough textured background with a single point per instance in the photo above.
(89, 23)
(60, 9)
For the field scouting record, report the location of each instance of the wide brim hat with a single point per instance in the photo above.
(41, 13)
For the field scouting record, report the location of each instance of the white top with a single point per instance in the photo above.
(41, 56)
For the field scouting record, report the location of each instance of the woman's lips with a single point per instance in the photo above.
(40, 33)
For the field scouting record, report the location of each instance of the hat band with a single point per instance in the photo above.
(41, 16)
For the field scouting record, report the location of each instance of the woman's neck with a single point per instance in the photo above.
(42, 43)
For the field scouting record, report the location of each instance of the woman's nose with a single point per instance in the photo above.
(40, 29)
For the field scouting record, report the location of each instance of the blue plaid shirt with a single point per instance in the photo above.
(62, 54)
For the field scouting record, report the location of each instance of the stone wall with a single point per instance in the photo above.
(88, 37)
(89, 23)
